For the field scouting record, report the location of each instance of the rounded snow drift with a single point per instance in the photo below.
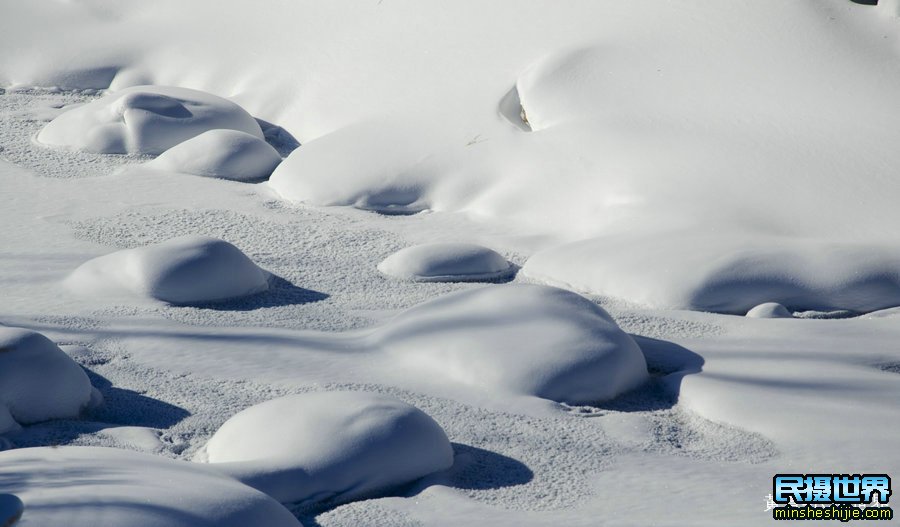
(38, 381)
(185, 270)
(107, 487)
(11, 508)
(145, 120)
(519, 338)
(329, 445)
(726, 273)
(446, 262)
(770, 310)
(225, 154)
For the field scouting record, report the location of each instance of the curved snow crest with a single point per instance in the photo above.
(521, 339)
(184, 270)
(220, 153)
(446, 262)
(145, 120)
(364, 165)
(107, 487)
(560, 88)
(328, 446)
(726, 274)
(769, 310)
(38, 381)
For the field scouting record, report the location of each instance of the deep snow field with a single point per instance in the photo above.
(421, 263)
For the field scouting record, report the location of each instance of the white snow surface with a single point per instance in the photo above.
(663, 135)
(38, 382)
(145, 120)
(107, 487)
(221, 153)
(725, 273)
(183, 270)
(446, 262)
(329, 446)
(520, 338)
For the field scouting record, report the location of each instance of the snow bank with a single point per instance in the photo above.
(769, 310)
(226, 154)
(634, 130)
(38, 381)
(729, 274)
(323, 445)
(145, 120)
(525, 339)
(184, 270)
(105, 487)
(561, 87)
(446, 262)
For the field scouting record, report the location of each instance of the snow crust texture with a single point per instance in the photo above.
(446, 262)
(518, 338)
(220, 153)
(329, 445)
(184, 270)
(106, 487)
(38, 382)
(145, 120)
(725, 274)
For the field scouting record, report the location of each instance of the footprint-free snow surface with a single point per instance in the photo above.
(524, 339)
(329, 446)
(184, 270)
(38, 382)
(446, 262)
(106, 487)
(220, 153)
(145, 120)
(631, 179)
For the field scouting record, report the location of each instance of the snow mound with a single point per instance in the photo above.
(561, 87)
(524, 339)
(38, 381)
(728, 274)
(11, 508)
(184, 270)
(376, 176)
(145, 120)
(226, 154)
(106, 487)
(324, 445)
(446, 262)
(770, 310)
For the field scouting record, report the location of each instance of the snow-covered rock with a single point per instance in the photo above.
(38, 381)
(226, 154)
(769, 310)
(446, 262)
(560, 88)
(145, 120)
(725, 273)
(375, 177)
(324, 445)
(519, 338)
(184, 270)
(11, 508)
(106, 487)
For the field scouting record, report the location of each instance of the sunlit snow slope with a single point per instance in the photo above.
(757, 118)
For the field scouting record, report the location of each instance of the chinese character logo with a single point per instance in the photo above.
(842, 497)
